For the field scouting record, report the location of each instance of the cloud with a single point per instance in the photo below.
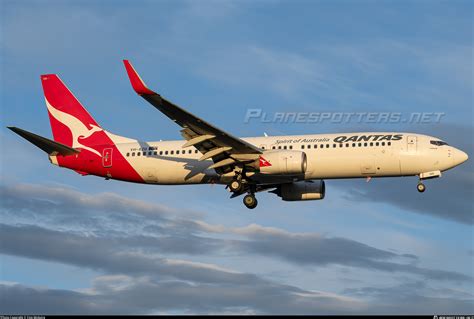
(125, 239)
(116, 294)
(314, 249)
(134, 233)
(105, 255)
(142, 295)
(415, 298)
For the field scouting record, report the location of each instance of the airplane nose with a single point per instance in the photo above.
(459, 157)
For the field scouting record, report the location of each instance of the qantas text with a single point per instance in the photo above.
(366, 138)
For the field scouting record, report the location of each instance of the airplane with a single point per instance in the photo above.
(292, 167)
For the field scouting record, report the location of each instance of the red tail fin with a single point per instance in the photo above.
(71, 124)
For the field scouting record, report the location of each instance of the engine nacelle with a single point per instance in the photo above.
(283, 163)
(303, 190)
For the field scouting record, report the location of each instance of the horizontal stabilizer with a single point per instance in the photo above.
(47, 145)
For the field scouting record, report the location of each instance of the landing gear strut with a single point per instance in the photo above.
(421, 187)
(250, 201)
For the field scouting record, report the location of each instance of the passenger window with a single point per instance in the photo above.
(155, 153)
(149, 153)
(383, 143)
(353, 144)
(133, 154)
(171, 152)
(377, 144)
(291, 147)
(128, 154)
(365, 144)
(334, 145)
(284, 147)
(309, 146)
(177, 152)
(315, 145)
(360, 144)
(196, 151)
(327, 145)
(302, 147)
(138, 154)
(371, 144)
(347, 144)
(190, 151)
(161, 152)
(341, 145)
(166, 152)
(389, 143)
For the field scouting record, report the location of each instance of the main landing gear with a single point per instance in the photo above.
(250, 201)
(421, 187)
(239, 186)
(236, 185)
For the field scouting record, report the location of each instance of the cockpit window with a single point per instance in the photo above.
(438, 143)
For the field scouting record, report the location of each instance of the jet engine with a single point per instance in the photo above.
(303, 190)
(283, 163)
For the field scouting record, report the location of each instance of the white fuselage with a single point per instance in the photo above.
(329, 156)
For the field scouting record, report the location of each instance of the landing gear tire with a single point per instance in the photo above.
(250, 201)
(235, 186)
(421, 187)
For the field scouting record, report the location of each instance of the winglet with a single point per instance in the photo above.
(137, 83)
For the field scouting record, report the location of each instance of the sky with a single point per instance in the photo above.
(78, 245)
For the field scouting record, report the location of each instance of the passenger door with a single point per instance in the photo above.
(411, 144)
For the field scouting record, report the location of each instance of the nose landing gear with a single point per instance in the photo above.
(426, 175)
(421, 187)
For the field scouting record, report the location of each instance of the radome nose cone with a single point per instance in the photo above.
(460, 157)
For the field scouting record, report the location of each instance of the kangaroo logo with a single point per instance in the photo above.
(78, 129)
(263, 162)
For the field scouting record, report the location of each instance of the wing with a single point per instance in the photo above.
(225, 150)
